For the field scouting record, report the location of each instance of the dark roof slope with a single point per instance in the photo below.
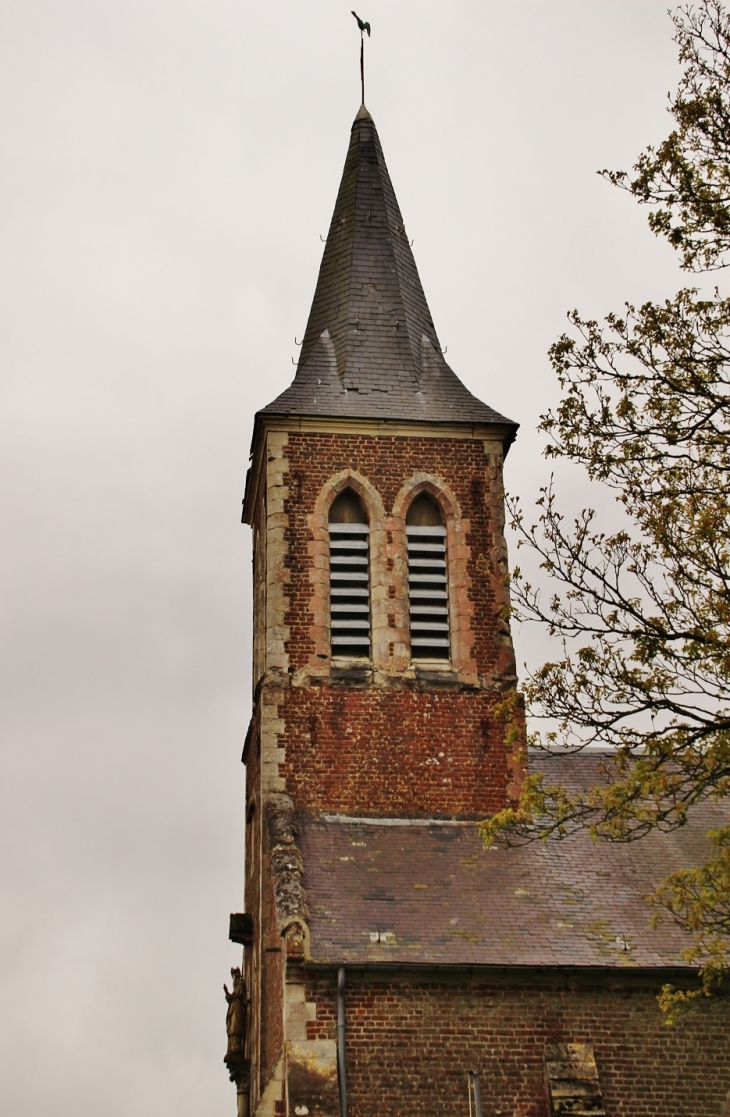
(370, 349)
(433, 895)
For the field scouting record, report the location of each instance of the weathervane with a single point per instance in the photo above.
(363, 28)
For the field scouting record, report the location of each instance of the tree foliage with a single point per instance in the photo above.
(643, 613)
(688, 176)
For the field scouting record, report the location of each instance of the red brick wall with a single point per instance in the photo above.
(402, 747)
(388, 464)
(410, 1045)
(393, 752)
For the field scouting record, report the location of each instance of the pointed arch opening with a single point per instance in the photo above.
(428, 595)
(349, 538)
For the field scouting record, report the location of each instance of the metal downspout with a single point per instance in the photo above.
(475, 1091)
(341, 1065)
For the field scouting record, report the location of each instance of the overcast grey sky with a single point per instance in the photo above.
(169, 168)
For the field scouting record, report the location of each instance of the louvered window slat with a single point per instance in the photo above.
(349, 589)
(428, 593)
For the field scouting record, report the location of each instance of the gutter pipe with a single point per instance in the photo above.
(341, 1065)
(475, 1091)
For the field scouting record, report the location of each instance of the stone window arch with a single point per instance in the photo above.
(457, 551)
(428, 585)
(349, 554)
(352, 482)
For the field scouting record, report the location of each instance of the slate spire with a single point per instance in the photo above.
(370, 349)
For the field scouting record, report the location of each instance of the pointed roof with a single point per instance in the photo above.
(370, 349)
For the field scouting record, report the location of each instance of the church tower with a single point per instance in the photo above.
(389, 958)
(383, 668)
(381, 651)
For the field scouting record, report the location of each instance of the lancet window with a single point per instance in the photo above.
(349, 576)
(427, 580)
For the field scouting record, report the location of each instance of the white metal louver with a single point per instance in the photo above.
(349, 589)
(428, 593)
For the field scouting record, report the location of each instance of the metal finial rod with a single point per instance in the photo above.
(364, 26)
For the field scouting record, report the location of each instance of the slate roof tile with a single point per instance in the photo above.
(370, 349)
(432, 894)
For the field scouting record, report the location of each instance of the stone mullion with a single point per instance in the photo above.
(379, 582)
(461, 607)
(396, 555)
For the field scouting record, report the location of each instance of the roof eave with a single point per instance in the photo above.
(548, 974)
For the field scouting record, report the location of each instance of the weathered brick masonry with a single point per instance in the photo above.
(464, 467)
(403, 743)
(399, 752)
(410, 1042)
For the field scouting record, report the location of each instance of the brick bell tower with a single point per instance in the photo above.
(382, 659)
